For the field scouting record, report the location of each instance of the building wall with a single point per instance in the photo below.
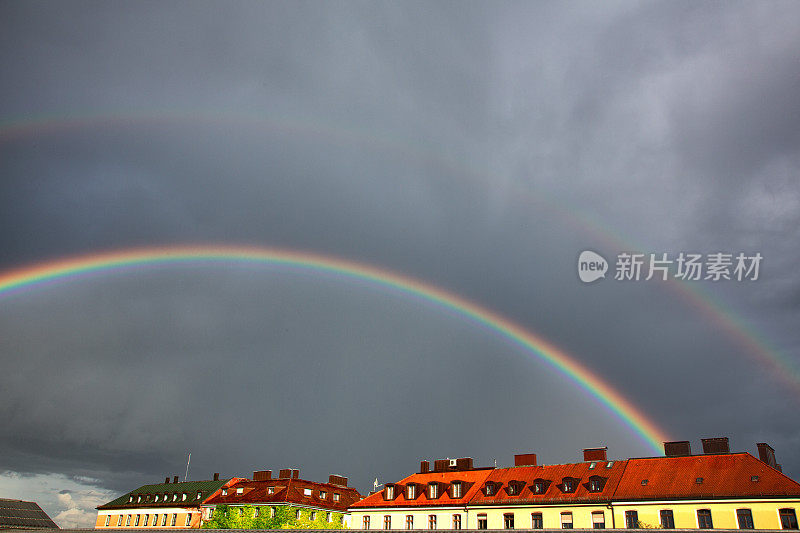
(551, 515)
(180, 522)
(444, 517)
(723, 513)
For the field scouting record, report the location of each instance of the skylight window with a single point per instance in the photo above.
(609, 464)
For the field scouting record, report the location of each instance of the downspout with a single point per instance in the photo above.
(613, 520)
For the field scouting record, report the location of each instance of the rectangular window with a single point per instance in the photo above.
(566, 520)
(323, 495)
(411, 491)
(483, 523)
(456, 521)
(271, 490)
(164, 520)
(188, 519)
(365, 522)
(336, 496)
(128, 521)
(508, 521)
(745, 518)
(432, 519)
(307, 492)
(256, 512)
(704, 519)
(155, 518)
(598, 520)
(313, 515)
(631, 519)
(536, 521)
(119, 521)
(199, 494)
(108, 519)
(389, 493)
(433, 491)
(667, 520)
(387, 522)
(409, 521)
(328, 516)
(788, 518)
(174, 519)
(455, 490)
(146, 517)
(297, 514)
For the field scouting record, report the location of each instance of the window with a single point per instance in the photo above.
(130, 499)
(644, 482)
(174, 519)
(699, 480)
(184, 496)
(482, 522)
(166, 496)
(667, 520)
(592, 465)
(411, 491)
(313, 515)
(389, 492)
(209, 513)
(595, 484)
(433, 491)
(754, 479)
(188, 519)
(387, 522)
(432, 519)
(409, 521)
(272, 512)
(490, 489)
(155, 519)
(224, 492)
(297, 514)
(609, 464)
(455, 489)
(569, 484)
(788, 518)
(336, 496)
(536, 521)
(163, 519)
(631, 519)
(119, 521)
(108, 519)
(128, 521)
(566, 520)
(239, 490)
(323, 495)
(157, 497)
(512, 488)
(365, 522)
(328, 516)
(598, 520)
(745, 518)
(307, 493)
(175, 497)
(139, 499)
(199, 494)
(256, 512)
(241, 511)
(704, 519)
(136, 522)
(508, 521)
(539, 486)
(271, 490)
(456, 521)
(146, 517)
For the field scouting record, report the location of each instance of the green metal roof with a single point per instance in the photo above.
(148, 493)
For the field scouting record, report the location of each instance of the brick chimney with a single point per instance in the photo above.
(334, 479)
(677, 448)
(285, 473)
(716, 445)
(166, 481)
(175, 479)
(262, 475)
(767, 454)
(595, 454)
(295, 473)
(525, 459)
(424, 467)
(216, 476)
(464, 463)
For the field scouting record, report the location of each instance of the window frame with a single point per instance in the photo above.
(409, 521)
(666, 513)
(537, 518)
(705, 519)
(482, 521)
(508, 520)
(791, 515)
(571, 523)
(387, 521)
(431, 521)
(456, 522)
(747, 514)
(365, 521)
(602, 523)
(632, 515)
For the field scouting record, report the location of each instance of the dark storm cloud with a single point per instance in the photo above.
(480, 147)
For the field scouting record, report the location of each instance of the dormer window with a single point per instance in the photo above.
(130, 499)
(199, 494)
(389, 492)
(239, 490)
(433, 490)
(455, 489)
(157, 496)
(307, 493)
(411, 491)
(224, 492)
(323, 495)
(490, 489)
(175, 497)
(166, 496)
(569, 484)
(514, 488)
(596, 484)
(609, 464)
(539, 486)
(184, 496)
(270, 490)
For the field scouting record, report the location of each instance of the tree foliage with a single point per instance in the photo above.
(271, 517)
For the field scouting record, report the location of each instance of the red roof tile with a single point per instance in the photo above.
(472, 482)
(722, 476)
(288, 491)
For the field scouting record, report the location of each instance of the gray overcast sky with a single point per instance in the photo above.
(479, 147)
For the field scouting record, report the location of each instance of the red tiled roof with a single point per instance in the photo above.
(553, 476)
(723, 476)
(288, 491)
(472, 481)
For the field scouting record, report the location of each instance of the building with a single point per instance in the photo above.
(266, 497)
(164, 505)
(715, 489)
(19, 514)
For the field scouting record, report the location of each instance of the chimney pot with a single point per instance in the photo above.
(715, 445)
(175, 479)
(595, 454)
(335, 479)
(216, 476)
(424, 467)
(285, 473)
(678, 448)
(166, 480)
(262, 475)
(525, 459)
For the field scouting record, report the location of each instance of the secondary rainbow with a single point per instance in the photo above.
(28, 277)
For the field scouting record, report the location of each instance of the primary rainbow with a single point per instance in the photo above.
(69, 268)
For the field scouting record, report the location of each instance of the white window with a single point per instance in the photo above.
(328, 516)
(387, 522)
(307, 493)
(411, 491)
(224, 492)
(108, 519)
(239, 490)
(188, 519)
(455, 490)
(323, 494)
(183, 497)
(271, 490)
(272, 512)
(174, 519)
(336, 496)
(157, 496)
(199, 494)
(433, 492)
(389, 492)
